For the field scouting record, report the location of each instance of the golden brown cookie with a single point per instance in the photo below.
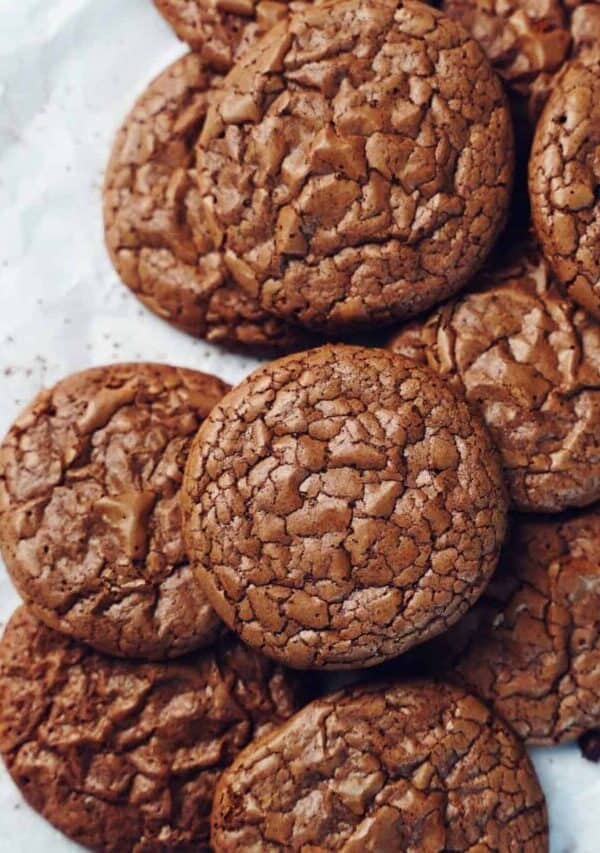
(90, 521)
(220, 30)
(124, 756)
(341, 506)
(529, 361)
(357, 166)
(149, 207)
(564, 180)
(536, 654)
(415, 766)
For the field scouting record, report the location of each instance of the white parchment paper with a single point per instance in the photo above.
(69, 71)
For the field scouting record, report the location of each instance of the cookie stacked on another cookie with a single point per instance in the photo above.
(120, 753)
(327, 183)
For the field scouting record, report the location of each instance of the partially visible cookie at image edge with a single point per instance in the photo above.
(564, 180)
(407, 766)
(535, 657)
(220, 30)
(341, 506)
(528, 360)
(149, 203)
(124, 756)
(90, 523)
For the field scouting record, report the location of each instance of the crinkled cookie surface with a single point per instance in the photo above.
(124, 756)
(221, 30)
(357, 167)
(529, 361)
(150, 203)
(90, 520)
(564, 180)
(341, 506)
(413, 767)
(536, 655)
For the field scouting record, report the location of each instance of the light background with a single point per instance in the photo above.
(69, 71)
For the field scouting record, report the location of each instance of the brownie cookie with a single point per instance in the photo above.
(149, 203)
(536, 656)
(357, 166)
(341, 506)
(90, 521)
(529, 362)
(415, 766)
(220, 30)
(122, 756)
(564, 180)
(525, 40)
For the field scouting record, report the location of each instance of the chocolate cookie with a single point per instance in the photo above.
(89, 508)
(341, 506)
(564, 180)
(121, 756)
(220, 30)
(416, 766)
(536, 655)
(357, 166)
(525, 40)
(529, 362)
(149, 203)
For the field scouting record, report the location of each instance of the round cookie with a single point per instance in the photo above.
(357, 166)
(341, 506)
(536, 655)
(124, 756)
(529, 361)
(220, 30)
(90, 521)
(564, 180)
(149, 204)
(410, 766)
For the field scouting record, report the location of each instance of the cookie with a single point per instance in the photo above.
(536, 655)
(564, 180)
(357, 166)
(220, 30)
(528, 360)
(149, 202)
(525, 40)
(90, 522)
(122, 756)
(341, 506)
(409, 766)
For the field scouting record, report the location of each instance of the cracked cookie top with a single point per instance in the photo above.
(342, 505)
(357, 166)
(90, 520)
(536, 654)
(220, 30)
(149, 204)
(125, 756)
(413, 766)
(564, 180)
(525, 40)
(529, 361)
